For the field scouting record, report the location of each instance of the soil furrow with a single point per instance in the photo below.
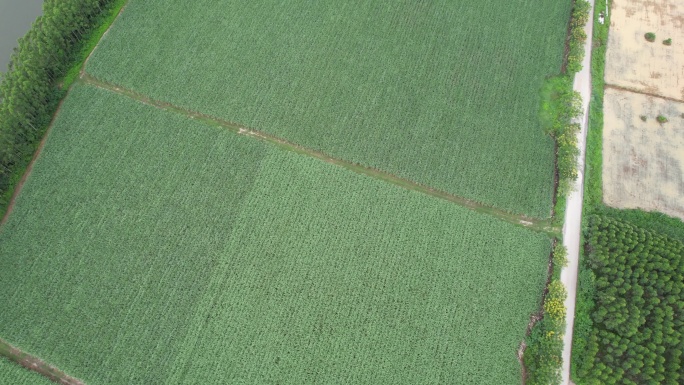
(635, 91)
(35, 364)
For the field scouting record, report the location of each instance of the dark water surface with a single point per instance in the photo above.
(16, 17)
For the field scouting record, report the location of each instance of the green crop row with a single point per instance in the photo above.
(13, 374)
(443, 93)
(146, 247)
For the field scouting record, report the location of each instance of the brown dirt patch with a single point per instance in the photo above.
(37, 365)
(643, 162)
(632, 62)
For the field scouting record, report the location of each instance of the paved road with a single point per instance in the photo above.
(573, 211)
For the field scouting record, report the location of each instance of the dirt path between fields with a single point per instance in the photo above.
(37, 365)
(573, 211)
(535, 224)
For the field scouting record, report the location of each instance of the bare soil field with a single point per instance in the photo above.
(642, 160)
(635, 63)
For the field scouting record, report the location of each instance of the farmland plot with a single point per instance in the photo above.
(148, 248)
(444, 93)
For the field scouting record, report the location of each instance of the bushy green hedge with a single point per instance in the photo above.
(577, 37)
(30, 89)
(560, 105)
(544, 354)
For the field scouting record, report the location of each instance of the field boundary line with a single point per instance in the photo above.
(635, 91)
(535, 224)
(43, 140)
(35, 364)
(29, 168)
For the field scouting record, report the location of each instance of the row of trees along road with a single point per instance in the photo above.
(30, 89)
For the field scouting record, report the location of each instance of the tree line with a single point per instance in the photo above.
(30, 89)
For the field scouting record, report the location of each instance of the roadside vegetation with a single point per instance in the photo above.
(580, 15)
(40, 70)
(544, 354)
(560, 108)
(628, 320)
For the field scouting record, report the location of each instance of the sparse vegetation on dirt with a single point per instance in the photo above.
(643, 118)
(662, 119)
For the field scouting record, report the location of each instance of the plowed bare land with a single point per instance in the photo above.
(642, 158)
(632, 62)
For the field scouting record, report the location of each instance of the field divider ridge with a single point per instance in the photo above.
(35, 364)
(535, 224)
(636, 91)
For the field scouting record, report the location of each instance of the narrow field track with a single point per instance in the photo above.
(36, 364)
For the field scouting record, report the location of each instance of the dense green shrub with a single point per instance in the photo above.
(650, 36)
(637, 323)
(667, 41)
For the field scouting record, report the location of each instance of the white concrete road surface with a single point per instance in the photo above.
(573, 210)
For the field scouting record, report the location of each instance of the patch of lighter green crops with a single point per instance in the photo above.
(444, 93)
(114, 236)
(13, 374)
(147, 248)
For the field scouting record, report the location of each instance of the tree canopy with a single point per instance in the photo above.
(29, 89)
